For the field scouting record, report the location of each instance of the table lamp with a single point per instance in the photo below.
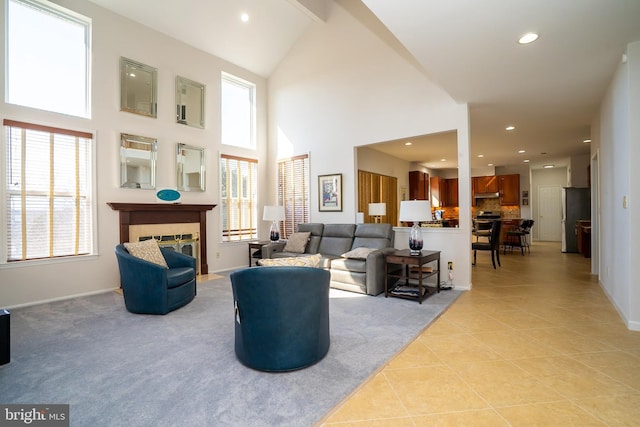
(377, 211)
(274, 214)
(415, 211)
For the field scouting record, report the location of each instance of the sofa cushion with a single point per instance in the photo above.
(373, 236)
(298, 261)
(297, 242)
(316, 229)
(349, 264)
(179, 276)
(336, 239)
(358, 253)
(147, 250)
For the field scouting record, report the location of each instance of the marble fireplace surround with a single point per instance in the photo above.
(132, 214)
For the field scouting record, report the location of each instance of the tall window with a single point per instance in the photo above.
(238, 112)
(293, 191)
(239, 188)
(49, 209)
(48, 57)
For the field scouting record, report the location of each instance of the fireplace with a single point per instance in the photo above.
(166, 220)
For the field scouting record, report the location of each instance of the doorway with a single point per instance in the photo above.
(550, 213)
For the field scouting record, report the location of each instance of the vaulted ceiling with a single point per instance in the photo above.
(549, 90)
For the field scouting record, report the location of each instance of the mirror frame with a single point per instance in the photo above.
(129, 96)
(126, 141)
(185, 107)
(180, 166)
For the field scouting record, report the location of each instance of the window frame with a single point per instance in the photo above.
(59, 12)
(91, 194)
(231, 79)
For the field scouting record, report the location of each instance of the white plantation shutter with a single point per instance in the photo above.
(293, 192)
(48, 192)
(238, 188)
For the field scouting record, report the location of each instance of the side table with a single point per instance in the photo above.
(408, 261)
(255, 250)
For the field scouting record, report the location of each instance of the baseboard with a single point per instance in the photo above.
(45, 301)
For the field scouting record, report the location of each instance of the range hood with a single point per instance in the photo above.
(487, 195)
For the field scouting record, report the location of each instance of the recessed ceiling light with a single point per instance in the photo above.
(528, 38)
(587, 141)
(481, 155)
(408, 143)
(521, 151)
(490, 164)
(244, 17)
(548, 166)
(525, 161)
(510, 128)
(443, 160)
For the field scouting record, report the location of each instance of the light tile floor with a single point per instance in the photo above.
(534, 343)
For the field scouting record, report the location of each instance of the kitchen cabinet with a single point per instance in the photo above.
(485, 184)
(444, 192)
(451, 192)
(438, 189)
(418, 185)
(509, 189)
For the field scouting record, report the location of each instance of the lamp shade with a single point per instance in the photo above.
(415, 210)
(377, 209)
(273, 213)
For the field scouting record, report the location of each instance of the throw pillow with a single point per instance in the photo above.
(358, 253)
(297, 243)
(295, 261)
(147, 250)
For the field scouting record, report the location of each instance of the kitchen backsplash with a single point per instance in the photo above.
(508, 212)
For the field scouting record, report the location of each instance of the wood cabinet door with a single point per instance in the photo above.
(509, 189)
(485, 184)
(451, 198)
(418, 185)
(434, 183)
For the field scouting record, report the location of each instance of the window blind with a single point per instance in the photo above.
(239, 186)
(293, 191)
(48, 191)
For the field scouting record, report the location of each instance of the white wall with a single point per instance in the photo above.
(114, 36)
(342, 87)
(580, 170)
(617, 127)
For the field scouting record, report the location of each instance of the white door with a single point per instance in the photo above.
(549, 213)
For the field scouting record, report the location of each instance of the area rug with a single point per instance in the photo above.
(115, 368)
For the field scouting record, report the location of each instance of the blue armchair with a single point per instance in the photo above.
(281, 316)
(149, 288)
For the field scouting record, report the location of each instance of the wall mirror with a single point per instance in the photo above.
(137, 161)
(189, 102)
(190, 168)
(138, 88)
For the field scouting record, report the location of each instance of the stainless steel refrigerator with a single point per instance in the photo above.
(576, 205)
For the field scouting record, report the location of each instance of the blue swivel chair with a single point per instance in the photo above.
(281, 316)
(149, 288)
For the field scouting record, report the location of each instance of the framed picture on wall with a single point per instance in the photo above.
(330, 192)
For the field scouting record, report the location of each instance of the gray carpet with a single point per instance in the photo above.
(115, 368)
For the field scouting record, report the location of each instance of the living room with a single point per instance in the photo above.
(312, 103)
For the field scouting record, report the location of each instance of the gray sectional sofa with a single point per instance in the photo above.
(363, 275)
